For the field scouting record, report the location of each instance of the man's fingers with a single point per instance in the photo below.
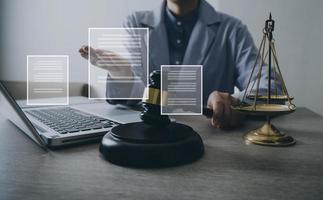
(214, 102)
(234, 101)
(218, 110)
(223, 115)
(83, 49)
(86, 50)
(91, 51)
(226, 110)
(84, 55)
(236, 117)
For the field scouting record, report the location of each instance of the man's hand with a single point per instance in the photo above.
(107, 60)
(223, 115)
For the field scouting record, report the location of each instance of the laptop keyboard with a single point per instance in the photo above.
(68, 120)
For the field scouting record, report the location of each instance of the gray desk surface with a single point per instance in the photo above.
(229, 170)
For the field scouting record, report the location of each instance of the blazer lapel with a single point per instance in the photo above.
(202, 36)
(158, 41)
(200, 40)
(159, 53)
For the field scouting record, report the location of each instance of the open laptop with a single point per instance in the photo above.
(54, 126)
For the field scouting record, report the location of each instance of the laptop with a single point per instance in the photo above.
(55, 126)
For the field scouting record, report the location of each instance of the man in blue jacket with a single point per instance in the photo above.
(192, 32)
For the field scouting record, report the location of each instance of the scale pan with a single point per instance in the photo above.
(272, 97)
(264, 109)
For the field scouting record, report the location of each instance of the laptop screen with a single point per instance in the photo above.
(11, 110)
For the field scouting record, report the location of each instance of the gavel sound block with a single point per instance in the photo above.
(154, 142)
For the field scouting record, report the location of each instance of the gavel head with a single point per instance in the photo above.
(151, 114)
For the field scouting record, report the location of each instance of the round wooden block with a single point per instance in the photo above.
(140, 145)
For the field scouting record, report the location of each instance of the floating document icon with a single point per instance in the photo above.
(182, 85)
(47, 78)
(118, 50)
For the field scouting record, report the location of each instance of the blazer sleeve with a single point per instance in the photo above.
(114, 90)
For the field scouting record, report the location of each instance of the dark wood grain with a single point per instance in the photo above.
(229, 170)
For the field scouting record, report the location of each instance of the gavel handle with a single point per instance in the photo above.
(207, 112)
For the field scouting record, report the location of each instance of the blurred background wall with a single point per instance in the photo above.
(60, 27)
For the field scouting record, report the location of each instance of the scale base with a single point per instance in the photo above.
(268, 135)
(143, 146)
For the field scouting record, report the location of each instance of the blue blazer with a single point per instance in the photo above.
(219, 42)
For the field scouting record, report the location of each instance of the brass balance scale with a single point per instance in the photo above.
(277, 100)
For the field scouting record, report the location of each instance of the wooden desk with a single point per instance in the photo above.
(229, 169)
